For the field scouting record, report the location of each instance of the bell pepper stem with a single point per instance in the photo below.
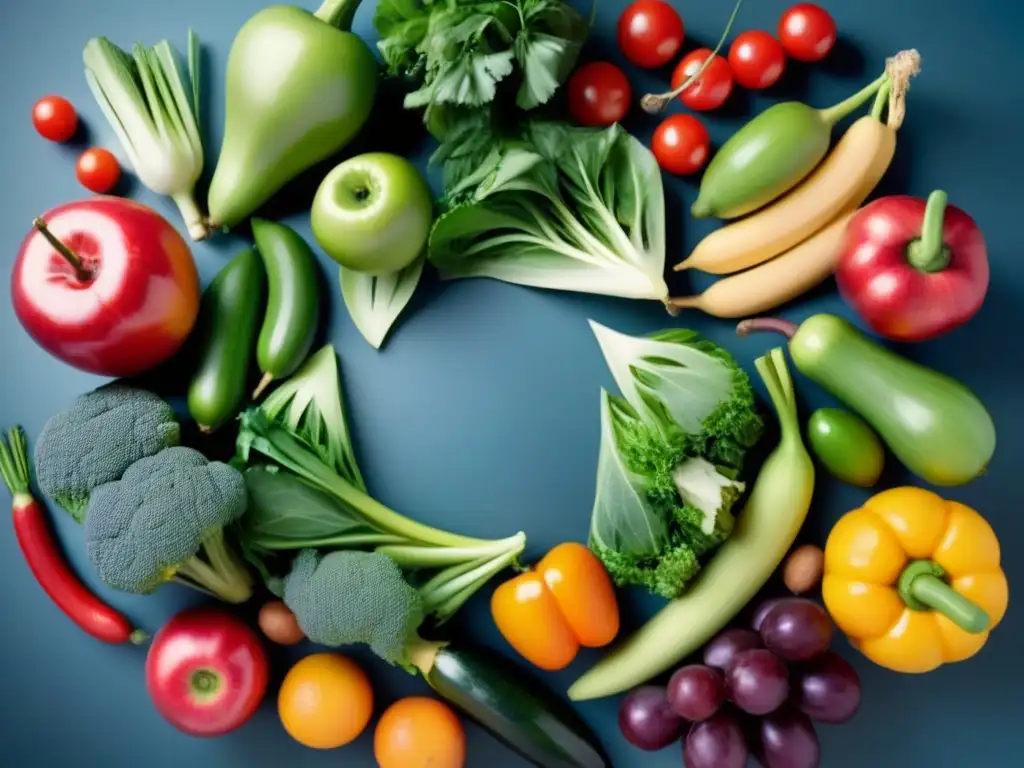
(929, 253)
(338, 13)
(835, 113)
(923, 588)
(82, 272)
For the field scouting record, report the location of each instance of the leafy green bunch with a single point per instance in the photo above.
(672, 450)
(459, 53)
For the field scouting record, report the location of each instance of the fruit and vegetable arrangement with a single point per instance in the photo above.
(542, 186)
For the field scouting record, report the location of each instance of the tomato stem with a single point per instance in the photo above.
(929, 253)
(82, 272)
(653, 103)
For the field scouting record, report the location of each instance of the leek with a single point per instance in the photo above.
(155, 117)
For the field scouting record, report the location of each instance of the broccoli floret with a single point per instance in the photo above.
(164, 520)
(350, 597)
(95, 441)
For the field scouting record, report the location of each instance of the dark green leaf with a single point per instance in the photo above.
(284, 508)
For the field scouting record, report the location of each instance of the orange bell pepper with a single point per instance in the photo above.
(914, 580)
(567, 602)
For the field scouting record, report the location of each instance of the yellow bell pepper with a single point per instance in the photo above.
(914, 580)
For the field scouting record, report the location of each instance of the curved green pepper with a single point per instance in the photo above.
(300, 86)
(770, 155)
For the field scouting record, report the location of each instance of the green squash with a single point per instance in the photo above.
(300, 86)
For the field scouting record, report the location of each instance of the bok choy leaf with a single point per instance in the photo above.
(564, 208)
(154, 115)
(374, 302)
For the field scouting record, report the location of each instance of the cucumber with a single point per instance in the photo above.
(225, 337)
(293, 302)
(517, 708)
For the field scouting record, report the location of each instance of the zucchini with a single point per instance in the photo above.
(225, 336)
(515, 707)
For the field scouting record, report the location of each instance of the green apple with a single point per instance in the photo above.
(372, 213)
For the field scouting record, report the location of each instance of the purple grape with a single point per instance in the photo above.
(716, 743)
(797, 629)
(719, 652)
(696, 692)
(788, 740)
(762, 611)
(828, 689)
(757, 681)
(646, 719)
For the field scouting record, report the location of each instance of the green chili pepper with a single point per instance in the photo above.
(300, 86)
(770, 155)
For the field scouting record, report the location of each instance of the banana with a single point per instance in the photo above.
(775, 282)
(842, 182)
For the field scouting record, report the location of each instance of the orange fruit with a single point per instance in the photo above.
(417, 732)
(325, 701)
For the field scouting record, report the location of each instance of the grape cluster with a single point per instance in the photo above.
(757, 692)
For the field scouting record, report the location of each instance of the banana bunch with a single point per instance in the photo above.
(793, 244)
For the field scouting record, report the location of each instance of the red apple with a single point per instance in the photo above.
(206, 672)
(106, 285)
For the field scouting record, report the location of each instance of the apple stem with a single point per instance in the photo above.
(82, 272)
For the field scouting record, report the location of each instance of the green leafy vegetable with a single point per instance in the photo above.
(154, 116)
(573, 209)
(305, 491)
(672, 448)
(310, 405)
(461, 52)
(375, 301)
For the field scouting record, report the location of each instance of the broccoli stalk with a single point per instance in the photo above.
(164, 521)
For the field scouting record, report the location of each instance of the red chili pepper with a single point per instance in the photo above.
(912, 269)
(43, 555)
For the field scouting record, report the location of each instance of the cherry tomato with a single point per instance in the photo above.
(599, 94)
(711, 89)
(681, 144)
(757, 60)
(55, 118)
(650, 33)
(98, 170)
(807, 32)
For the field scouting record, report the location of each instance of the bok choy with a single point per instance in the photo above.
(672, 450)
(155, 116)
(374, 302)
(565, 208)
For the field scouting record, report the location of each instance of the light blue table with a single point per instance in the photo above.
(482, 412)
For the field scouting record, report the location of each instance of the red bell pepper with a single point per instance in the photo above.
(913, 269)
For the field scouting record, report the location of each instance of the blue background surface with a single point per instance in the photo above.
(481, 414)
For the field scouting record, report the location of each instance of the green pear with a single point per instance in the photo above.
(300, 86)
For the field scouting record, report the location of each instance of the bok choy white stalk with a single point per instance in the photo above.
(155, 117)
